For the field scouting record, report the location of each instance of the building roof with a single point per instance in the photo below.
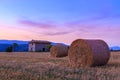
(40, 42)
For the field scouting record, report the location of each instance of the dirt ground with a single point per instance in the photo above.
(40, 66)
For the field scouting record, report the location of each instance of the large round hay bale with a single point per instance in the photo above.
(88, 53)
(59, 50)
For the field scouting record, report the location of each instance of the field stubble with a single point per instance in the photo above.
(40, 66)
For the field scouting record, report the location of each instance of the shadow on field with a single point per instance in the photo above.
(115, 64)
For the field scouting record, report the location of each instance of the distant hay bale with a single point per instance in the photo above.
(59, 50)
(88, 53)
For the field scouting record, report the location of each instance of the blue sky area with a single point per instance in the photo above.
(60, 20)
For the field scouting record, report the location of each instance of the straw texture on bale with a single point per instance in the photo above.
(88, 53)
(59, 50)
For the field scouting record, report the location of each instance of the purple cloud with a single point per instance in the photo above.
(43, 25)
(57, 33)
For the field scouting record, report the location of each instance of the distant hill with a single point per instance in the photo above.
(115, 48)
(22, 45)
(53, 43)
(3, 47)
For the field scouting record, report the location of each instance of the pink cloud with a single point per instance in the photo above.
(43, 25)
(58, 33)
(56, 29)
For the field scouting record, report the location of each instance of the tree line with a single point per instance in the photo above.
(12, 47)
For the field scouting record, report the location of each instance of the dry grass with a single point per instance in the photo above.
(39, 66)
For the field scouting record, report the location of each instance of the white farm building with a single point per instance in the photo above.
(39, 46)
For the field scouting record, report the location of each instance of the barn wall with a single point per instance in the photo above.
(41, 47)
(32, 47)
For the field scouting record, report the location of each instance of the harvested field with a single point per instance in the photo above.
(40, 66)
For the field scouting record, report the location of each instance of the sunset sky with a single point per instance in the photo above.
(60, 20)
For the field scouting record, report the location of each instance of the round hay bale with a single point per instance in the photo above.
(88, 53)
(59, 50)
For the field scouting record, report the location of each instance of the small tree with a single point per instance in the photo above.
(49, 46)
(9, 49)
(14, 46)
